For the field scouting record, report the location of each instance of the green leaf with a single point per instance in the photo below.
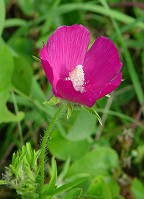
(69, 185)
(13, 170)
(129, 62)
(50, 187)
(91, 7)
(22, 75)
(74, 193)
(93, 112)
(101, 160)
(27, 6)
(2, 15)
(64, 169)
(28, 172)
(6, 70)
(36, 91)
(14, 22)
(23, 171)
(99, 188)
(63, 148)
(23, 46)
(114, 187)
(82, 125)
(29, 153)
(137, 189)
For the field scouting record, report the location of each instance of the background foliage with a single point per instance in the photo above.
(112, 154)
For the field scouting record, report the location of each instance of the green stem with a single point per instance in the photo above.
(19, 124)
(43, 146)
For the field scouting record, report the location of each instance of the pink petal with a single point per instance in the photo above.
(65, 90)
(102, 62)
(111, 86)
(46, 66)
(67, 48)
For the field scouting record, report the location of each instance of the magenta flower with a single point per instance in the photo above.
(76, 74)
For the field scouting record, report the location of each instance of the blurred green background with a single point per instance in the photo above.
(113, 154)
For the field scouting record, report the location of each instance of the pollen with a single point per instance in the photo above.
(77, 78)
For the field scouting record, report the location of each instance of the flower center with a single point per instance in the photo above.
(77, 78)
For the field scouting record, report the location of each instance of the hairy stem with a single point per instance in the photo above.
(44, 145)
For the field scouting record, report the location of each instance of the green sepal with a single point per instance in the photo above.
(93, 112)
(69, 110)
(36, 58)
(53, 101)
